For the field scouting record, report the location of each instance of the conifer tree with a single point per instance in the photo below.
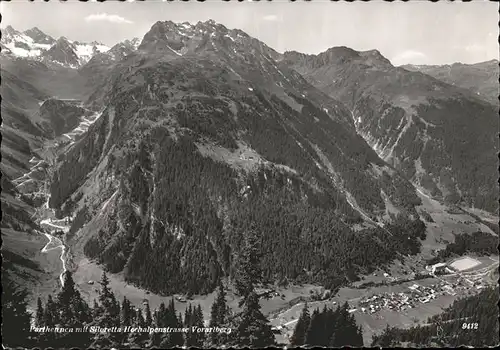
(47, 339)
(110, 315)
(126, 313)
(188, 323)
(386, 339)
(15, 316)
(140, 322)
(159, 319)
(73, 309)
(347, 332)
(63, 300)
(299, 334)
(249, 272)
(218, 316)
(198, 322)
(170, 319)
(138, 339)
(39, 313)
(147, 313)
(330, 328)
(188, 316)
(50, 317)
(254, 330)
(96, 310)
(177, 338)
(313, 334)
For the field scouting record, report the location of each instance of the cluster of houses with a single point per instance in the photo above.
(402, 301)
(396, 301)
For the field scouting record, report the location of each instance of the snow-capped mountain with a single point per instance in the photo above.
(28, 44)
(35, 44)
(86, 51)
(116, 53)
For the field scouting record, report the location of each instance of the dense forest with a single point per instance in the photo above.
(470, 321)
(188, 214)
(481, 243)
(471, 162)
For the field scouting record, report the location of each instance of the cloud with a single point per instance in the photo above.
(409, 56)
(107, 18)
(270, 18)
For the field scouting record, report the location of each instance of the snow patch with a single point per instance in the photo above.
(174, 51)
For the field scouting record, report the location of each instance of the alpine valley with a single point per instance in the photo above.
(159, 159)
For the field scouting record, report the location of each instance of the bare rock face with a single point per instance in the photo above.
(63, 52)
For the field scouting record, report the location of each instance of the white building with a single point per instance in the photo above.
(437, 268)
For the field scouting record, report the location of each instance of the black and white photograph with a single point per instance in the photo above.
(249, 174)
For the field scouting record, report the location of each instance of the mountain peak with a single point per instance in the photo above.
(38, 36)
(33, 30)
(211, 26)
(341, 55)
(63, 42)
(9, 28)
(63, 52)
(8, 32)
(62, 39)
(133, 43)
(375, 58)
(336, 55)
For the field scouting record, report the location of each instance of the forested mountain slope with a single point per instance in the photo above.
(480, 78)
(201, 139)
(441, 137)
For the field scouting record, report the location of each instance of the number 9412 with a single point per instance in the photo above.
(470, 325)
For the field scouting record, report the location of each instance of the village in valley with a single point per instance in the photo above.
(401, 302)
(449, 281)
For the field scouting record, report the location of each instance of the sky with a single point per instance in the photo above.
(416, 32)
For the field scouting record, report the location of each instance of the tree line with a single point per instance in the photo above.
(327, 328)
(481, 243)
